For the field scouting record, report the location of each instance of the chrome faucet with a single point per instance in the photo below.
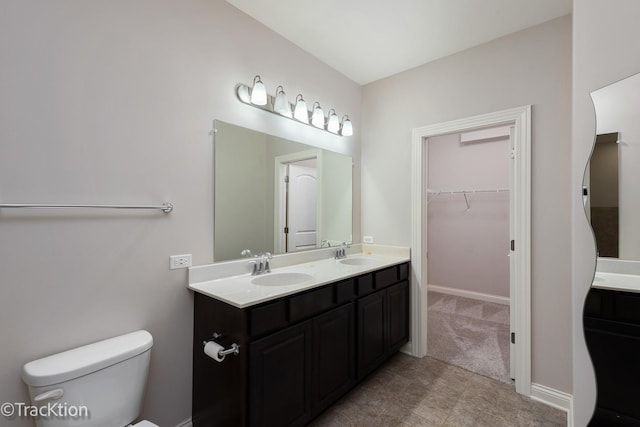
(342, 252)
(261, 263)
(264, 260)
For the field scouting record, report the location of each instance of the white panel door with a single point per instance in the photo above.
(302, 207)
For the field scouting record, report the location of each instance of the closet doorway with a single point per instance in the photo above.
(468, 259)
(519, 120)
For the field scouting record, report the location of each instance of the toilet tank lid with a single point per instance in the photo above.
(84, 360)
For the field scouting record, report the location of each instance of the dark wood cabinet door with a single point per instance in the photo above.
(398, 303)
(372, 339)
(612, 333)
(280, 378)
(333, 356)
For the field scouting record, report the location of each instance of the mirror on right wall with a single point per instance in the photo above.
(611, 193)
(612, 179)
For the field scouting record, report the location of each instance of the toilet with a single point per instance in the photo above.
(96, 385)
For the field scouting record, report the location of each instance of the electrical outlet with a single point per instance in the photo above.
(179, 261)
(367, 239)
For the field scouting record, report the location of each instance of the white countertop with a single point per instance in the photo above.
(617, 281)
(240, 292)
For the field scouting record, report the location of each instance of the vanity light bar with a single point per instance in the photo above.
(257, 96)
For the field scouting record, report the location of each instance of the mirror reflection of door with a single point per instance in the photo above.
(301, 205)
(603, 197)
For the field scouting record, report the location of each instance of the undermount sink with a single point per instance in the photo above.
(359, 261)
(282, 279)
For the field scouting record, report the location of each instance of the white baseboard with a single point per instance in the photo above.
(555, 398)
(469, 294)
(185, 423)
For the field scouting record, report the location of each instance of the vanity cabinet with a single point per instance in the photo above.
(299, 353)
(612, 333)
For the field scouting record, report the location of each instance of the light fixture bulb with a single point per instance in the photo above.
(301, 113)
(333, 123)
(317, 118)
(259, 92)
(281, 104)
(347, 128)
(243, 94)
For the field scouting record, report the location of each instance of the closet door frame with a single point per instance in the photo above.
(520, 191)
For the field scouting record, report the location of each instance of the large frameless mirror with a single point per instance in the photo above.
(276, 195)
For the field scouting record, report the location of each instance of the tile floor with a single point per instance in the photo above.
(407, 391)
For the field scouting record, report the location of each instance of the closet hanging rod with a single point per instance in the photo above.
(165, 207)
(486, 190)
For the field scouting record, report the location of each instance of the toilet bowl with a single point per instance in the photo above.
(101, 384)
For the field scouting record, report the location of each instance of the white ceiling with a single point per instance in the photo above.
(367, 40)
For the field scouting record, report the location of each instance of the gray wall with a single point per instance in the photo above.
(529, 67)
(112, 102)
(605, 50)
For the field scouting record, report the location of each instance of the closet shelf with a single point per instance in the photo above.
(483, 190)
(436, 193)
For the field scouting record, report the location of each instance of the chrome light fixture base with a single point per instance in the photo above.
(279, 105)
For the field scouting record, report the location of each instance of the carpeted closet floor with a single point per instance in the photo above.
(469, 333)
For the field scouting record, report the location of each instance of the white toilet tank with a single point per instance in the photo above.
(97, 385)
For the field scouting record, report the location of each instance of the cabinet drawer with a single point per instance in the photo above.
(386, 277)
(344, 291)
(267, 318)
(364, 285)
(306, 305)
